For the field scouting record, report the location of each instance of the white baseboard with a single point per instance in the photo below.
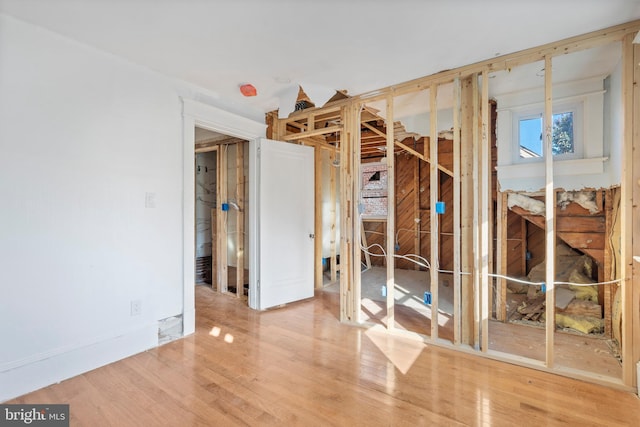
(58, 367)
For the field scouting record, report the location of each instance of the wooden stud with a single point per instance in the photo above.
(214, 234)
(332, 216)
(355, 113)
(635, 211)
(318, 218)
(365, 244)
(523, 245)
(457, 277)
(491, 211)
(628, 188)
(485, 193)
(467, 208)
(416, 209)
(214, 248)
(502, 251)
(240, 214)
(434, 188)
(550, 204)
(609, 258)
(391, 220)
(477, 297)
(347, 310)
(222, 220)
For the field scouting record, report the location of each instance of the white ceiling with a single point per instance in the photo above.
(357, 45)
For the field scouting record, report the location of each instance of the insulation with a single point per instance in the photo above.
(584, 324)
(586, 199)
(536, 207)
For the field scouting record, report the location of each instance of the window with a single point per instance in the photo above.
(566, 133)
(578, 135)
(530, 135)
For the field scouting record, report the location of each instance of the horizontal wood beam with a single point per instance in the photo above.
(205, 146)
(315, 132)
(500, 63)
(407, 148)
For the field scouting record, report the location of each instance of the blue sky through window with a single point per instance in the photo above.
(530, 136)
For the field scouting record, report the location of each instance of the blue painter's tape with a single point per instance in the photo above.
(440, 208)
(383, 291)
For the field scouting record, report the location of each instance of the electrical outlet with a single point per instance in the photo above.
(136, 307)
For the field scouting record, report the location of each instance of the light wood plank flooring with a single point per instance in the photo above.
(298, 365)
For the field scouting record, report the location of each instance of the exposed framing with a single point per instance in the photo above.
(472, 141)
(196, 114)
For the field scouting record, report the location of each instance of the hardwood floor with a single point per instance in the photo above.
(298, 365)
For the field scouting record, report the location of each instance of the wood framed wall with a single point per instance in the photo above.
(472, 172)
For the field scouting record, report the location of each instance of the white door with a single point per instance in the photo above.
(281, 215)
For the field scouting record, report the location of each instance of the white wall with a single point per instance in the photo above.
(591, 170)
(614, 124)
(84, 136)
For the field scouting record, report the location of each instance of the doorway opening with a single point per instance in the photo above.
(221, 213)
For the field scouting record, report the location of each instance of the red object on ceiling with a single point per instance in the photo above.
(248, 90)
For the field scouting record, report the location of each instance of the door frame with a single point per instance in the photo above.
(196, 114)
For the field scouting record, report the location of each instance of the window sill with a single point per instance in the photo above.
(593, 166)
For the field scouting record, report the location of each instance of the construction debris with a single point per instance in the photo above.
(577, 306)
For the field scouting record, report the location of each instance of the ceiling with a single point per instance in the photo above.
(277, 45)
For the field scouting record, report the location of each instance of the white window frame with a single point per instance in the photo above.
(537, 111)
(520, 174)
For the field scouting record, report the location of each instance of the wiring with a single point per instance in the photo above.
(422, 262)
(407, 257)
